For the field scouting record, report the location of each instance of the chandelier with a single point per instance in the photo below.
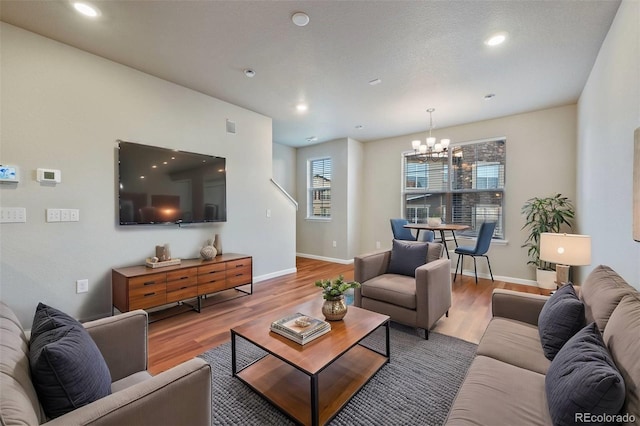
(431, 150)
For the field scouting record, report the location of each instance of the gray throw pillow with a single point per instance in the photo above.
(406, 256)
(561, 317)
(67, 368)
(583, 380)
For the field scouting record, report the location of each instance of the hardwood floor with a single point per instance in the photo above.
(178, 338)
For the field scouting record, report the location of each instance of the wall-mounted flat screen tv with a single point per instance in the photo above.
(161, 186)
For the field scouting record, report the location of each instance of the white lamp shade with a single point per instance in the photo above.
(565, 249)
(431, 142)
(437, 148)
(445, 143)
(415, 144)
(423, 149)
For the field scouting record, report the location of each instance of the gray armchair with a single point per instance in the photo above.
(180, 395)
(417, 302)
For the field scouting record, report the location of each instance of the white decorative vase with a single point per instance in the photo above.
(208, 252)
(546, 279)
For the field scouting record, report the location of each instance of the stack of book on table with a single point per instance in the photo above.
(300, 328)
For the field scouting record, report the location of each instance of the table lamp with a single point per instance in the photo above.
(565, 250)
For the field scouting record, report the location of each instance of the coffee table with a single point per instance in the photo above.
(311, 383)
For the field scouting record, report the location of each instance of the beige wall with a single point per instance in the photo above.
(284, 167)
(315, 237)
(608, 114)
(62, 108)
(540, 161)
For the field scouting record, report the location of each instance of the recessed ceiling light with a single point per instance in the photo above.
(489, 96)
(249, 73)
(86, 9)
(302, 107)
(496, 39)
(300, 19)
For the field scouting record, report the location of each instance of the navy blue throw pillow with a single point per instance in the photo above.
(67, 368)
(406, 257)
(583, 380)
(561, 317)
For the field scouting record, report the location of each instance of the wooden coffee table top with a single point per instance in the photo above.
(317, 354)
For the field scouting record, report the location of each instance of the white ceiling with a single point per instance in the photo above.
(427, 54)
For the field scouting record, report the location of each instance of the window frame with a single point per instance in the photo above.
(447, 193)
(321, 191)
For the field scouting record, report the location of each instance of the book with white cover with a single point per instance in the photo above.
(300, 328)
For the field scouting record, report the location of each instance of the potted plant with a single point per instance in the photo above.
(547, 214)
(334, 307)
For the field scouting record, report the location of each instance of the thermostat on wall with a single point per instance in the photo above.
(49, 175)
(9, 173)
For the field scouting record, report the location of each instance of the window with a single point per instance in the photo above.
(466, 187)
(319, 188)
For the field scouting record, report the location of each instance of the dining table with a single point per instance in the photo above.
(452, 227)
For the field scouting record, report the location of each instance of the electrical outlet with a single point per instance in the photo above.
(65, 216)
(82, 286)
(53, 215)
(74, 215)
(13, 215)
(335, 244)
(268, 212)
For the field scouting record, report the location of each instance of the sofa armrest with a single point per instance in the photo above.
(179, 396)
(433, 291)
(371, 265)
(516, 305)
(122, 340)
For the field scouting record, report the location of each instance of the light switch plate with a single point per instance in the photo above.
(13, 215)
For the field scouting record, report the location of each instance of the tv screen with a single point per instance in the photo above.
(160, 185)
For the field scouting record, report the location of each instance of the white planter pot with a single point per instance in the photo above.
(546, 279)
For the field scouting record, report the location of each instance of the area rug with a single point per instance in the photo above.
(416, 388)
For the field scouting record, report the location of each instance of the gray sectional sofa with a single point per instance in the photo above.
(505, 384)
(181, 395)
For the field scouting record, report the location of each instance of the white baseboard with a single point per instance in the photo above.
(276, 274)
(326, 259)
(512, 280)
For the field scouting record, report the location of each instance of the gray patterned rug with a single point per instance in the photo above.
(416, 388)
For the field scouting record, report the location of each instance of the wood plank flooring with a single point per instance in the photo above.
(177, 338)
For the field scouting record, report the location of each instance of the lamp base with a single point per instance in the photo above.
(562, 274)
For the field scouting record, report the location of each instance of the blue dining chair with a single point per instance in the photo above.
(402, 233)
(399, 231)
(482, 246)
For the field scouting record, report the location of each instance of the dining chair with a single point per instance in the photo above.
(482, 246)
(399, 231)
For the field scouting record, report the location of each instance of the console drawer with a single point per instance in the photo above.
(147, 297)
(147, 281)
(186, 292)
(238, 276)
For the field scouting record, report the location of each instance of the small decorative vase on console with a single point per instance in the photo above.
(334, 309)
(208, 252)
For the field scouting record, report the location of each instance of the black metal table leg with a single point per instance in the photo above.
(234, 369)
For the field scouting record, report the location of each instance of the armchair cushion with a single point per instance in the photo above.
(561, 317)
(67, 367)
(391, 288)
(406, 257)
